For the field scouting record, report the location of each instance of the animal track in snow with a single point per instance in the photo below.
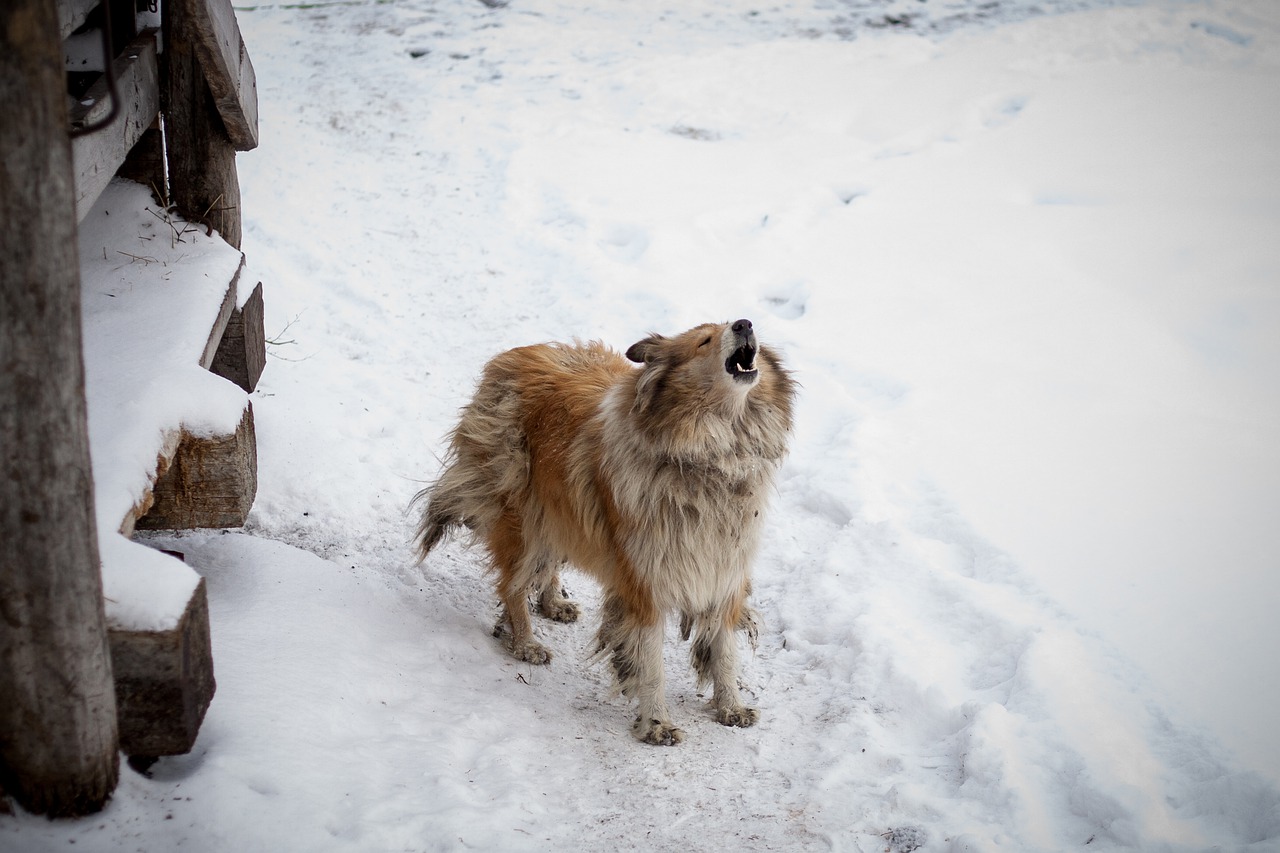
(789, 302)
(1004, 110)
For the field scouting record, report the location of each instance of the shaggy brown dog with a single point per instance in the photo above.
(651, 479)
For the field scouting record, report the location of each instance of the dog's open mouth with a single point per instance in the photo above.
(741, 364)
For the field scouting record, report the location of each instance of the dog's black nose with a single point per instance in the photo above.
(741, 327)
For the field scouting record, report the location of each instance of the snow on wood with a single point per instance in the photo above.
(225, 311)
(152, 288)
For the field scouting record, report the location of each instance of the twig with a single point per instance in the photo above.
(276, 342)
(146, 259)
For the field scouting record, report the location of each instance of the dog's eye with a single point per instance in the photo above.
(704, 343)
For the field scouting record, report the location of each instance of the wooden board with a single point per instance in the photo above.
(164, 682)
(97, 156)
(227, 69)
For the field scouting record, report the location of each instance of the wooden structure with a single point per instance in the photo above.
(57, 735)
(172, 107)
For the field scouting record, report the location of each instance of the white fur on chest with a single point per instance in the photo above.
(693, 521)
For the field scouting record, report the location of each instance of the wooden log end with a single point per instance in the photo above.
(164, 682)
(211, 482)
(242, 353)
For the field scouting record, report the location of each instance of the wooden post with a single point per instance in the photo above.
(203, 183)
(58, 734)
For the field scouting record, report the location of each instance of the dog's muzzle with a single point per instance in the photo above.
(741, 363)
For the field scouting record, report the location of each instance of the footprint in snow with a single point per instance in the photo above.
(788, 303)
(1004, 111)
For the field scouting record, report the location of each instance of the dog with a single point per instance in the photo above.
(651, 479)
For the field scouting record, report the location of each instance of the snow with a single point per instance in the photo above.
(152, 286)
(1018, 584)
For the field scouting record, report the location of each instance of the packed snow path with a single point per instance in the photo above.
(927, 207)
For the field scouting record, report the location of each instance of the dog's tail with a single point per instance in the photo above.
(461, 497)
(435, 523)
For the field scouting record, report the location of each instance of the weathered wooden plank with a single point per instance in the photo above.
(97, 156)
(72, 14)
(203, 183)
(164, 682)
(242, 354)
(211, 482)
(227, 69)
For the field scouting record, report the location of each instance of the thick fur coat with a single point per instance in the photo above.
(652, 479)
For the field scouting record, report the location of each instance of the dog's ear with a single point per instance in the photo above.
(644, 351)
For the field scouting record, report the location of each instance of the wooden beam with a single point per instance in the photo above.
(227, 68)
(164, 682)
(203, 183)
(242, 353)
(97, 156)
(211, 482)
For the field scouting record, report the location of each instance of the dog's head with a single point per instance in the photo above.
(712, 367)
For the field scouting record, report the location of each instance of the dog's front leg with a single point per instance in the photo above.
(653, 720)
(635, 650)
(715, 659)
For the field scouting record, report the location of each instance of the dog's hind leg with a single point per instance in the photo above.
(517, 570)
(715, 659)
(552, 602)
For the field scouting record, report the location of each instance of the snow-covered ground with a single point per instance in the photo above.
(1019, 584)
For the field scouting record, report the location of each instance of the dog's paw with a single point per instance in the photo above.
(560, 610)
(531, 651)
(656, 732)
(740, 717)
